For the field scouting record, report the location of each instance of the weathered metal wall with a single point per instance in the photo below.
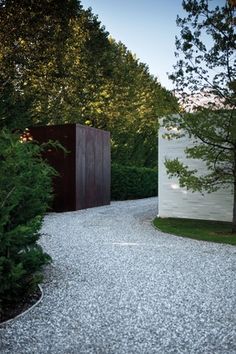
(84, 180)
(92, 167)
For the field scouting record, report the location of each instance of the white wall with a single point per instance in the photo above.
(178, 202)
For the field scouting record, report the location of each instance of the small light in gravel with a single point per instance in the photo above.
(174, 186)
(127, 243)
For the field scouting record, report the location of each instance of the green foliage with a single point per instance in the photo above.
(58, 65)
(205, 80)
(206, 230)
(136, 100)
(214, 136)
(130, 182)
(25, 191)
(34, 59)
(206, 54)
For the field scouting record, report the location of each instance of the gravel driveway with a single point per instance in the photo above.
(117, 285)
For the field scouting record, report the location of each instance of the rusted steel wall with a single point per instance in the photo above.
(84, 180)
(92, 167)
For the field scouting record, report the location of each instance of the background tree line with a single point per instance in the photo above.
(59, 65)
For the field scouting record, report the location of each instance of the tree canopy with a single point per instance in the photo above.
(59, 65)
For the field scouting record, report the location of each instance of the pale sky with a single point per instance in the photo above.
(146, 27)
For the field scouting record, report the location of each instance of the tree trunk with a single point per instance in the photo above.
(234, 192)
(234, 210)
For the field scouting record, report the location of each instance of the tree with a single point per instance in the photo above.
(132, 100)
(58, 65)
(25, 192)
(33, 42)
(206, 83)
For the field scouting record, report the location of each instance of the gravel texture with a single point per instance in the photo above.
(117, 285)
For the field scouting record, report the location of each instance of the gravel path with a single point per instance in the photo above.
(117, 285)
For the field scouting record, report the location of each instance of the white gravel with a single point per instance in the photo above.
(117, 285)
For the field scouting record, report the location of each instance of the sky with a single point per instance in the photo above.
(147, 28)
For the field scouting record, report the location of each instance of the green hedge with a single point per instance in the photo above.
(25, 191)
(130, 182)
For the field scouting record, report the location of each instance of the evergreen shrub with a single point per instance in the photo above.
(25, 192)
(131, 182)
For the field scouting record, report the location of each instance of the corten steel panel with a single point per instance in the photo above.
(92, 167)
(98, 170)
(64, 184)
(106, 170)
(90, 187)
(84, 180)
(81, 168)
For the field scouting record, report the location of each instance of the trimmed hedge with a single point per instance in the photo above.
(131, 182)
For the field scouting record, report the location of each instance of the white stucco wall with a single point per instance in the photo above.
(178, 202)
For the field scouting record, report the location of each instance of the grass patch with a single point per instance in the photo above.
(213, 231)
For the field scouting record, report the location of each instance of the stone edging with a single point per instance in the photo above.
(26, 311)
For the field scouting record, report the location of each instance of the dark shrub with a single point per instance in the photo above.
(130, 182)
(25, 191)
